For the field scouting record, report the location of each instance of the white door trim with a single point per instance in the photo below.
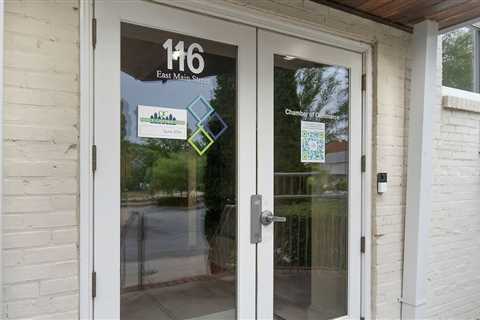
(233, 13)
(367, 175)
(2, 110)
(85, 159)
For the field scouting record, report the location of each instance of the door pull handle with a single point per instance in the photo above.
(259, 218)
(267, 218)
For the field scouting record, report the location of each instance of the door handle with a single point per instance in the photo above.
(255, 213)
(267, 218)
(259, 218)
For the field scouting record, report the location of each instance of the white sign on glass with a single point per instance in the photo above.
(161, 122)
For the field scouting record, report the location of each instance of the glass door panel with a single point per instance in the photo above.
(309, 122)
(173, 90)
(178, 176)
(311, 104)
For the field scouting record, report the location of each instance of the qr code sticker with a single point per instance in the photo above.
(312, 142)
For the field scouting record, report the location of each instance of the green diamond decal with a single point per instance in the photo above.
(200, 140)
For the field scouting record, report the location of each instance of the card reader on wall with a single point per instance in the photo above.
(381, 182)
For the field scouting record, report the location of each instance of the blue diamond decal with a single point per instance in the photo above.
(200, 108)
(215, 125)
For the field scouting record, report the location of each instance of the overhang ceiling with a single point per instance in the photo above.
(404, 14)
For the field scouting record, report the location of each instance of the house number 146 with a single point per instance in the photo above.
(179, 54)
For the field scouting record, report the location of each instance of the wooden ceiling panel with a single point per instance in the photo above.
(425, 9)
(396, 7)
(468, 15)
(405, 13)
(455, 11)
(355, 3)
(373, 5)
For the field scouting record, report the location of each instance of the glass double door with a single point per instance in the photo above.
(188, 126)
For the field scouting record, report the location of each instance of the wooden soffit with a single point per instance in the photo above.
(403, 14)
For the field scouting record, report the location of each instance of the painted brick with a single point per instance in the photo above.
(22, 291)
(17, 204)
(26, 239)
(46, 116)
(39, 186)
(454, 281)
(41, 134)
(26, 221)
(41, 80)
(42, 305)
(50, 254)
(40, 153)
(21, 169)
(40, 150)
(49, 287)
(65, 235)
(12, 258)
(46, 271)
(59, 316)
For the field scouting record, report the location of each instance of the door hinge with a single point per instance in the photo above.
(362, 244)
(364, 82)
(94, 158)
(94, 284)
(94, 32)
(363, 164)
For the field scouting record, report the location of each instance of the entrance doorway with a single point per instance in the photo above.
(194, 116)
(309, 172)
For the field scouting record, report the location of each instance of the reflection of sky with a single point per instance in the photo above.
(336, 99)
(339, 96)
(175, 94)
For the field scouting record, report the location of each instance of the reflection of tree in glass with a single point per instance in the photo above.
(220, 171)
(287, 128)
(319, 89)
(325, 90)
(310, 191)
(168, 174)
(457, 59)
(139, 161)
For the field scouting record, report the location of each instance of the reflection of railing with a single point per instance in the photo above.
(311, 242)
(293, 184)
(315, 233)
(297, 185)
(140, 218)
(292, 242)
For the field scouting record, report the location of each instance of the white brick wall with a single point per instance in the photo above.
(454, 277)
(41, 166)
(40, 217)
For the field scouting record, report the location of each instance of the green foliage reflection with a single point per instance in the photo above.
(457, 59)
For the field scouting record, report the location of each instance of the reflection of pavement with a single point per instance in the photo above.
(214, 298)
(208, 299)
(313, 295)
(169, 231)
(174, 244)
